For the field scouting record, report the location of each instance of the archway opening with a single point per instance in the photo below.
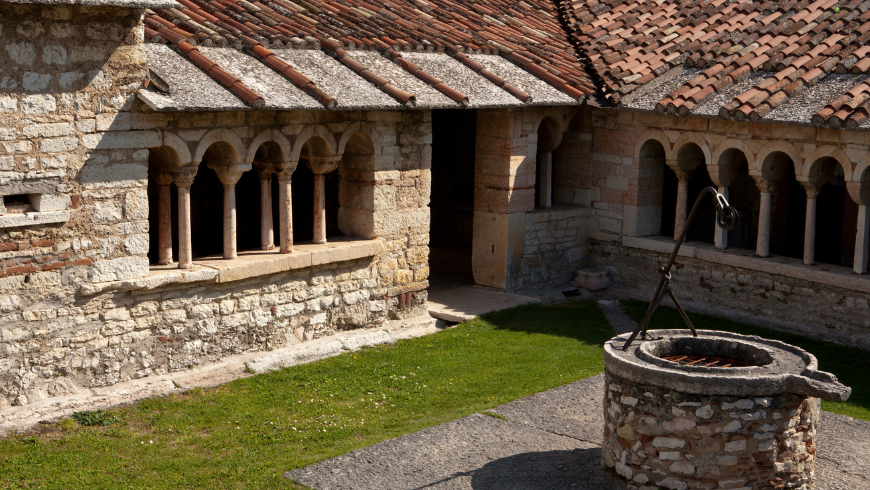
(548, 140)
(451, 203)
(268, 154)
(356, 187)
(788, 206)
(572, 177)
(161, 160)
(744, 196)
(207, 201)
(836, 215)
(313, 151)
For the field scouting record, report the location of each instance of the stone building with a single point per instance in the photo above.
(186, 181)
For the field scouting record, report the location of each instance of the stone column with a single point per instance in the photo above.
(183, 180)
(810, 224)
(545, 166)
(862, 240)
(762, 244)
(267, 233)
(321, 166)
(860, 193)
(720, 237)
(284, 172)
(163, 178)
(229, 175)
(682, 200)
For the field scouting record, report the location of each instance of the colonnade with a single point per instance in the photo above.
(229, 175)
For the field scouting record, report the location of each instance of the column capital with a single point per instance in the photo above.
(812, 190)
(764, 185)
(183, 176)
(681, 173)
(323, 165)
(229, 173)
(163, 175)
(284, 170)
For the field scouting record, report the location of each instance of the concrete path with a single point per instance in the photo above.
(457, 305)
(549, 440)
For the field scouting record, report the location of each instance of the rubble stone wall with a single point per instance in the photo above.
(626, 200)
(656, 438)
(555, 247)
(75, 143)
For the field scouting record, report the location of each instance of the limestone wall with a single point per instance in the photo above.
(555, 246)
(626, 202)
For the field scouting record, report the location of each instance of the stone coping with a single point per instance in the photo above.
(830, 275)
(253, 263)
(33, 218)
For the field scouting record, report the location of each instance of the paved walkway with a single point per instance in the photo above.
(550, 440)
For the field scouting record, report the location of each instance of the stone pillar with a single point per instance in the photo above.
(229, 175)
(183, 180)
(762, 244)
(163, 178)
(720, 237)
(321, 166)
(267, 233)
(810, 224)
(862, 240)
(682, 200)
(545, 183)
(284, 172)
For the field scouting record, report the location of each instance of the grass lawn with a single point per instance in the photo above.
(849, 364)
(247, 433)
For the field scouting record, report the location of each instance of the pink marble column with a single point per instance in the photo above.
(229, 175)
(762, 244)
(860, 193)
(810, 224)
(284, 172)
(682, 200)
(267, 233)
(183, 180)
(164, 225)
(321, 166)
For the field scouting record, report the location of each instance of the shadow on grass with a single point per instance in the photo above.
(851, 365)
(581, 320)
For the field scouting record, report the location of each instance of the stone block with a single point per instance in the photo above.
(592, 279)
(119, 121)
(37, 104)
(49, 202)
(119, 269)
(122, 139)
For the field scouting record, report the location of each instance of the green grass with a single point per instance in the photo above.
(247, 433)
(849, 364)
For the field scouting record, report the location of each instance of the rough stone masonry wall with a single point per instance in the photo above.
(55, 341)
(657, 438)
(554, 248)
(626, 202)
(75, 140)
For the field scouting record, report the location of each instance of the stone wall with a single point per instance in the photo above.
(626, 204)
(657, 438)
(80, 306)
(555, 247)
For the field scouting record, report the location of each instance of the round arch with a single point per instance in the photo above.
(732, 144)
(359, 127)
(687, 138)
(269, 135)
(222, 135)
(812, 166)
(653, 135)
(312, 132)
(777, 146)
(180, 148)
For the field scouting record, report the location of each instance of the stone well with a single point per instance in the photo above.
(673, 419)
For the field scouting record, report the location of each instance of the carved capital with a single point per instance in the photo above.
(323, 165)
(183, 176)
(812, 190)
(681, 173)
(284, 170)
(230, 173)
(764, 185)
(161, 175)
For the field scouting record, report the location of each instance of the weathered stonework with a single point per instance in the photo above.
(657, 438)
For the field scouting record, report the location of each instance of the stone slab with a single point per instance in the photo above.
(550, 440)
(458, 305)
(476, 452)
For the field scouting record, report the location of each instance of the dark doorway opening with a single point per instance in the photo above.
(452, 201)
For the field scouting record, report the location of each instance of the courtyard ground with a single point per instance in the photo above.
(248, 433)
